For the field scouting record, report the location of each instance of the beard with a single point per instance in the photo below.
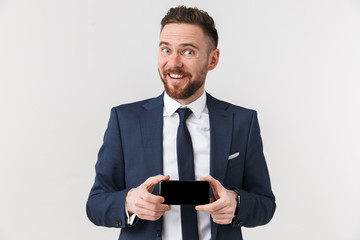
(183, 92)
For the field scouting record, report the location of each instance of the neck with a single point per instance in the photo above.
(192, 98)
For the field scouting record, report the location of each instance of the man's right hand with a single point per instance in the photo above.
(143, 203)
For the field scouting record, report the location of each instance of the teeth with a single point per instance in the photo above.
(176, 75)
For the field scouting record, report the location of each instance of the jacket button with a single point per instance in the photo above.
(119, 223)
(158, 233)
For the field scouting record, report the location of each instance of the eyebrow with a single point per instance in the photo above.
(183, 44)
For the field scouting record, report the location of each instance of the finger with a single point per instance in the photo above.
(210, 207)
(215, 185)
(154, 208)
(149, 215)
(225, 207)
(220, 210)
(152, 181)
(141, 204)
(218, 207)
(223, 218)
(150, 198)
(223, 212)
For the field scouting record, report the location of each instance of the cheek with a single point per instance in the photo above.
(197, 64)
(160, 60)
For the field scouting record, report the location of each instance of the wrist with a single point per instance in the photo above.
(127, 202)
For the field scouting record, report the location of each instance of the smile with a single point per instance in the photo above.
(176, 76)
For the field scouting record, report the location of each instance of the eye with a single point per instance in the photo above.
(188, 52)
(165, 50)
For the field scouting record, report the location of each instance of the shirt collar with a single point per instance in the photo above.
(197, 106)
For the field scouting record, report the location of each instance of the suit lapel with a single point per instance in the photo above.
(151, 121)
(221, 124)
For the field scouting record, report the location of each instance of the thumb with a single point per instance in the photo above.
(215, 185)
(150, 183)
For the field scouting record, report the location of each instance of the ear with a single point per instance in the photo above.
(213, 59)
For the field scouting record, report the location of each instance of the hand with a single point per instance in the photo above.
(223, 209)
(143, 203)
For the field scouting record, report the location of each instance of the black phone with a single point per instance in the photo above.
(185, 192)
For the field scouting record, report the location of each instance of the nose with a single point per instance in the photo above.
(175, 61)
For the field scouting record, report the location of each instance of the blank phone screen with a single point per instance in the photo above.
(185, 192)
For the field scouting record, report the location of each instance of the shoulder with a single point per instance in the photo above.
(133, 106)
(229, 107)
(136, 108)
(243, 118)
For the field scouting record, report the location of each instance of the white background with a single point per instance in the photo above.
(64, 64)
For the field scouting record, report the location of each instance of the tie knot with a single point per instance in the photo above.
(184, 113)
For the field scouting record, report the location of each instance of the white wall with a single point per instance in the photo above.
(64, 64)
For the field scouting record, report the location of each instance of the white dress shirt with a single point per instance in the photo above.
(199, 128)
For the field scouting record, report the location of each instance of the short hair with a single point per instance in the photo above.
(183, 14)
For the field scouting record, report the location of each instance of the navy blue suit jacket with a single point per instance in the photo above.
(132, 152)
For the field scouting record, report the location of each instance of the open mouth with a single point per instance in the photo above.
(176, 76)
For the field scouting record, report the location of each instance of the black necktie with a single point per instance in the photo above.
(185, 159)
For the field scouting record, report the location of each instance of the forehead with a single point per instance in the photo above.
(180, 33)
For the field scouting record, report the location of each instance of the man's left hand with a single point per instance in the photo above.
(223, 209)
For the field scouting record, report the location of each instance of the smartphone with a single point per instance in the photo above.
(185, 192)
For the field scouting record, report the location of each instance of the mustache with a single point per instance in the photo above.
(176, 71)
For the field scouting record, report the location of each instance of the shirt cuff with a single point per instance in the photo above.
(130, 219)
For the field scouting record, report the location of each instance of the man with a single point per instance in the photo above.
(141, 148)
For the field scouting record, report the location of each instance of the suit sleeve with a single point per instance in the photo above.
(106, 202)
(257, 202)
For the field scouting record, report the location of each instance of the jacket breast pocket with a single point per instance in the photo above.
(234, 160)
(234, 172)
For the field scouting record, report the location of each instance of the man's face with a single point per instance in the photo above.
(184, 60)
